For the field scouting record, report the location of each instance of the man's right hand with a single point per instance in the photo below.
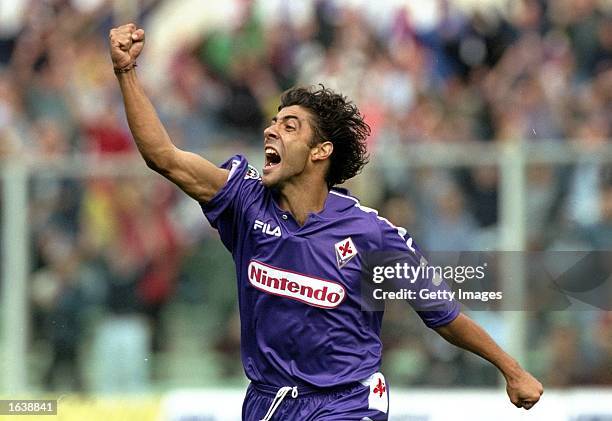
(126, 43)
(195, 175)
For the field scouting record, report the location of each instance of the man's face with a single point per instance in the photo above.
(287, 145)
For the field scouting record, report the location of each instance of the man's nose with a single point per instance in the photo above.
(270, 132)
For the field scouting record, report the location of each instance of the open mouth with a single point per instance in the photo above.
(272, 158)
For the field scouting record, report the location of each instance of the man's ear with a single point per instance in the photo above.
(322, 151)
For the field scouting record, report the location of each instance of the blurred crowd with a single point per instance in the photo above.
(127, 275)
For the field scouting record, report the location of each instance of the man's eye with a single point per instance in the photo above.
(290, 128)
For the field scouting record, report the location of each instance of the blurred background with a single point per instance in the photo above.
(491, 126)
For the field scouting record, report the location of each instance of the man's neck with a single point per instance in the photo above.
(302, 199)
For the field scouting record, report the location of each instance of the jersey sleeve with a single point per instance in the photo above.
(399, 247)
(226, 210)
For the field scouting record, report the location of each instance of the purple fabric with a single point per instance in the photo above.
(342, 405)
(301, 317)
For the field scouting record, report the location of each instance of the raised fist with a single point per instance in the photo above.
(126, 43)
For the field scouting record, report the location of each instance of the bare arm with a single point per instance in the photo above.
(523, 389)
(196, 176)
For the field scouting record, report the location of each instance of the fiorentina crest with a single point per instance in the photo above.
(345, 251)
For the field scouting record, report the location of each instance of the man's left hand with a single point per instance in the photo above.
(524, 390)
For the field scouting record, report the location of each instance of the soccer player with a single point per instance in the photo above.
(307, 346)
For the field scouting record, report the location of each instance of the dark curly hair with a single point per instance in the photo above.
(336, 119)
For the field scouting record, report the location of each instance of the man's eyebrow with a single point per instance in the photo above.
(285, 118)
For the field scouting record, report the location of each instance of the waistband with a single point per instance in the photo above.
(304, 391)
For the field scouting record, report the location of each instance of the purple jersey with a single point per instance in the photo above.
(299, 286)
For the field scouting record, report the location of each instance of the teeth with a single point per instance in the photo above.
(272, 157)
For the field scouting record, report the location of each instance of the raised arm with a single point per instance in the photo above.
(196, 176)
(523, 389)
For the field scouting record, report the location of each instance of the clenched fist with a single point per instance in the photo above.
(524, 390)
(126, 43)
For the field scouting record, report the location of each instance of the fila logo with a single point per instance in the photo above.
(345, 251)
(296, 286)
(267, 228)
